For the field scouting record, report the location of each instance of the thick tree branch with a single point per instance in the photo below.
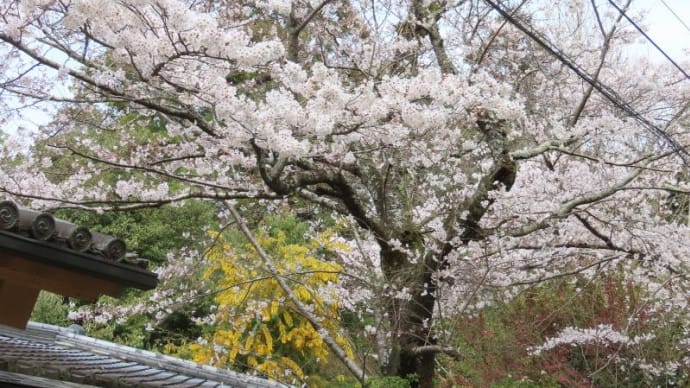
(528, 153)
(295, 27)
(438, 349)
(322, 201)
(568, 206)
(336, 186)
(311, 16)
(503, 172)
(595, 232)
(430, 24)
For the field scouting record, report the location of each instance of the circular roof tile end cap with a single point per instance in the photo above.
(9, 215)
(80, 239)
(115, 249)
(43, 227)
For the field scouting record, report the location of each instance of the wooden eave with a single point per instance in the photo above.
(28, 266)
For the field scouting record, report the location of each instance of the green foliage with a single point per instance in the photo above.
(129, 331)
(152, 233)
(292, 228)
(544, 382)
(376, 382)
(177, 329)
(252, 84)
(50, 308)
(389, 382)
(239, 76)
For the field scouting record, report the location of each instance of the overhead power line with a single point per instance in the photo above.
(675, 15)
(606, 91)
(638, 28)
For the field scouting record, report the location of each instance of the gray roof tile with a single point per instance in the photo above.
(51, 351)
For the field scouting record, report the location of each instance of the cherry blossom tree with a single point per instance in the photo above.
(466, 158)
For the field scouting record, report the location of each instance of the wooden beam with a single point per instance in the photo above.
(55, 279)
(55, 255)
(16, 303)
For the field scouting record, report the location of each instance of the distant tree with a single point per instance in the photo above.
(50, 308)
(154, 233)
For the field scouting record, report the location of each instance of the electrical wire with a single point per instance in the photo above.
(638, 28)
(675, 15)
(606, 91)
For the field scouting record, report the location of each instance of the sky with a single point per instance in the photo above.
(665, 29)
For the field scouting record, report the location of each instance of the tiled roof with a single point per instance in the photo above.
(44, 227)
(59, 353)
(44, 239)
(10, 379)
(41, 252)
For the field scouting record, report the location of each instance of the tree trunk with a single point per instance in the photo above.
(411, 320)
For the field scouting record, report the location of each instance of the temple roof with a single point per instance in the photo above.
(55, 353)
(41, 252)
